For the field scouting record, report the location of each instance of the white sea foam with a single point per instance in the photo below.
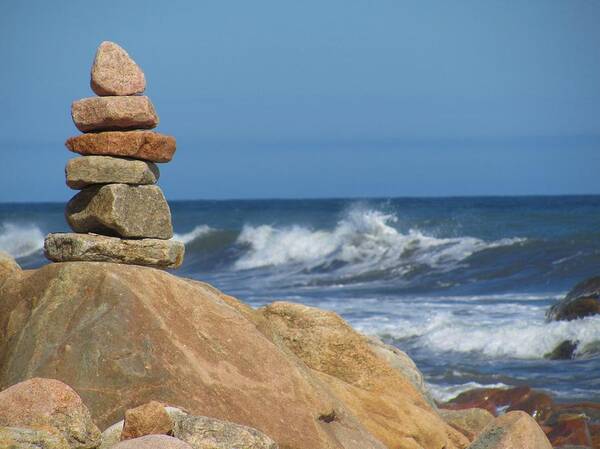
(20, 240)
(445, 393)
(521, 339)
(198, 231)
(477, 325)
(364, 240)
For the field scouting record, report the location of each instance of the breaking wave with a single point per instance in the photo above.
(20, 240)
(363, 241)
(197, 232)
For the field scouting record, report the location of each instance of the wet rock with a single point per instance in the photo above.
(115, 73)
(202, 432)
(88, 170)
(51, 403)
(536, 403)
(146, 145)
(70, 247)
(121, 210)
(470, 422)
(147, 419)
(569, 429)
(29, 438)
(583, 300)
(564, 351)
(515, 430)
(113, 113)
(153, 442)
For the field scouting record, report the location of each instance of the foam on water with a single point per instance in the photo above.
(494, 327)
(20, 240)
(445, 393)
(364, 240)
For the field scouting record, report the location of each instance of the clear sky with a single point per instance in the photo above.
(319, 98)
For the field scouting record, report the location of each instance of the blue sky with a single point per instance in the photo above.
(319, 99)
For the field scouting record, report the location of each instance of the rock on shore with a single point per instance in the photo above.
(123, 335)
(511, 431)
(583, 300)
(48, 403)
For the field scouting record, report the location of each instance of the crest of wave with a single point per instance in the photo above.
(198, 231)
(363, 240)
(20, 240)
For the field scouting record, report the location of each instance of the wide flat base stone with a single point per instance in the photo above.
(70, 247)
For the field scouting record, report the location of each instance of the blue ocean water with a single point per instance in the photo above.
(461, 284)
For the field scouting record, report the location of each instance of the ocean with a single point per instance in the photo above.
(461, 284)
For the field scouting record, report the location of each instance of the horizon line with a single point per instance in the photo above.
(358, 198)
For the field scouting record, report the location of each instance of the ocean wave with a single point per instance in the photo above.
(197, 232)
(363, 241)
(517, 332)
(519, 339)
(445, 393)
(20, 240)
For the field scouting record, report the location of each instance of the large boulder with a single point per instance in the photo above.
(383, 398)
(113, 113)
(121, 210)
(115, 73)
(146, 145)
(87, 170)
(515, 430)
(123, 335)
(49, 403)
(583, 300)
(69, 247)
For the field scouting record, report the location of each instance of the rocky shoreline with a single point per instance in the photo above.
(121, 337)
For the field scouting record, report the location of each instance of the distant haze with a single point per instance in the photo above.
(319, 99)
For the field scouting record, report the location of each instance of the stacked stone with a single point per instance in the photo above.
(119, 215)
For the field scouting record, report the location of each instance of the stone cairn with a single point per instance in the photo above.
(119, 215)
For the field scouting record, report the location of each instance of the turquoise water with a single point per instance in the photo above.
(461, 284)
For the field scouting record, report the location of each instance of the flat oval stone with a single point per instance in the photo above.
(88, 170)
(115, 73)
(121, 210)
(70, 247)
(113, 113)
(147, 145)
